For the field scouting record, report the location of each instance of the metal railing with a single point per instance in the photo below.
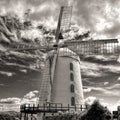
(50, 108)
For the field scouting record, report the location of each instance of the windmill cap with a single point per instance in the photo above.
(65, 52)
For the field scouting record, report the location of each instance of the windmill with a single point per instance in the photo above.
(61, 79)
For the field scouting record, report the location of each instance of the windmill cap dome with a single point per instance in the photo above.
(63, 52)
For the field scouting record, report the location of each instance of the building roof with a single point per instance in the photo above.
(65, 52)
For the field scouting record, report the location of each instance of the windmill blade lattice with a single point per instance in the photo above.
(27, 47)
(94, 47)
(64, 20)
(45, 87)
(66, 17)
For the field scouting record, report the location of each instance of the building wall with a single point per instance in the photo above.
(61, 81)
(79, 97)
(61, 92)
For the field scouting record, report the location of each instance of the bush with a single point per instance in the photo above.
(9, 116)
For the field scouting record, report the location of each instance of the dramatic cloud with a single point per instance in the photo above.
(114, 106)
(87, 90)
(17, 7)
(100, 17)
(14, 103)
(9, 74)
(31, 94)
(118, 79)
(32, 34)
(98, 70)
(23, 70)
(10, 104)
(113, 87)
(2, 84)
(31, 97)
(102, 91)
(106, 83)
(90, 69)
(12, 100)
(89, 100)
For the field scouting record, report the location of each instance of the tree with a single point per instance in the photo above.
(96, 112)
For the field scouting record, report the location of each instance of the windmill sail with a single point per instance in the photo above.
(45, 86)
(66, 17)
(64, 20)
(94, 47)
(91, 47)
(27, 47)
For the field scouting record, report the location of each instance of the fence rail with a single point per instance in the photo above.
(50, 108)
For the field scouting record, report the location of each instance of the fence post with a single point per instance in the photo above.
(81, 107)
(44, 107)
(20, 116)
(38, 107)
(31, 116)
(56, 107)
(28, 106)
(61, 107)
(68, 107)
(75, 107)
(49, 106)
(24, 116)
(24, 107)
(33, 107)
(27, 116)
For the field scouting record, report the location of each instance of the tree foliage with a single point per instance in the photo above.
(96, 112)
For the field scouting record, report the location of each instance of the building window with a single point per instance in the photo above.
(71, 66)
(72, 101)
(71, 77)
(72, 88)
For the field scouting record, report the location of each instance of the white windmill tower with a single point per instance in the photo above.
(62, 77)
(61, 81)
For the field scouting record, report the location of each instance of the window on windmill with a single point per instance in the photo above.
(71, 66)
(72, 88)
(71, 77)
(72, 101)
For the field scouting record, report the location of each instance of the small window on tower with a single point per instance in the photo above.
(72, 89)
(72, 101)
(71, 77)
(71, 66)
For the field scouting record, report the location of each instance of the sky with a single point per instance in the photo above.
(100, 17)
